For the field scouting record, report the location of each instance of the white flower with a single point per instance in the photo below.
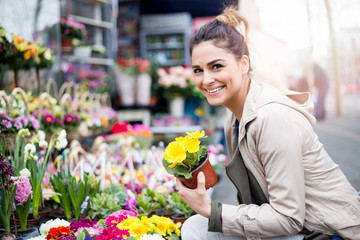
(61, 143)
(25, 173)
(151, 237)
(41, 135)
(62, 134)
(45, 227)
(23, 131)
(43, 143)
(29, 151)
(48, 193)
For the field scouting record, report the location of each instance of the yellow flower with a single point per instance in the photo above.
(27, 55)
(196, 134)
(134, 226)
(192, 144)
(175, 153)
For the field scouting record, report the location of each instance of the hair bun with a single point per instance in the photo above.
(231, 16)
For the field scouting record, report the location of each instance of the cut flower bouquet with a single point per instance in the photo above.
(185, 157)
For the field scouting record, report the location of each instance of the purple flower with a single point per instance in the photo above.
(23, 190)
(34, 122)
(18, 125)
(23, 120)
(6, 123)
(5, 173)
(130, 203)
(68, 118)
(58, 120)
(85, 222)
(2, 46)
(48, 118)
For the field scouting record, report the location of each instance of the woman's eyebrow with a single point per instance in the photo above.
(214, 61)
(209, 63)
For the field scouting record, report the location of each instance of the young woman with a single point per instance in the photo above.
(286, 181)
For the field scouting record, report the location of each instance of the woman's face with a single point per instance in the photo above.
(218, 74)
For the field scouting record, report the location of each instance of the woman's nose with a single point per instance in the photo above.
(208, 78)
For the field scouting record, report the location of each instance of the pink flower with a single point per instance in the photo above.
(48, 118)
(119, 216)
(113, 233)
(68, 118)
(23, 190)
(6, 123)
(93, 231)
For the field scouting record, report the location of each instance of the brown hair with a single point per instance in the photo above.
(224, 32)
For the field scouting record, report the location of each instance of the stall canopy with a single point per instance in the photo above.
(197, 8)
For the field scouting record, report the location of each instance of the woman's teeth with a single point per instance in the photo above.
(214, 90)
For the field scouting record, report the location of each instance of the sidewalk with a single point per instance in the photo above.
(341, 139)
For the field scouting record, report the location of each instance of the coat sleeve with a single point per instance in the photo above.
(276, 138)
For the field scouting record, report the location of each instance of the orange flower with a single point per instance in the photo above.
(54, 233)
(27, 55)
(104, 121)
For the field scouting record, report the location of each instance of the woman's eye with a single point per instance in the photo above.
(197, 70)
(217, 66)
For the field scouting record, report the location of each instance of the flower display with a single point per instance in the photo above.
(135, 66)
(176, 81)
(12, 125)
(71, 28)
(185, 154)
(6, 184)
(56, 232)
(113, 233)
(45, 227)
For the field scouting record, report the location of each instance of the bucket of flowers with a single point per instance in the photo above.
(185, 158)
(71, 30)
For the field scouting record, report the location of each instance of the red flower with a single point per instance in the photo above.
(56, 232)
(120, 127)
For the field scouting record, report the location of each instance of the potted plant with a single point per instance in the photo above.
(185, 158)
(181, 209)
(71, 30)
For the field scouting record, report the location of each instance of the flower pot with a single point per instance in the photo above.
(177, 106)
(30, 232)
(66, 45)
(178, 218)
(44, 212)
(143, 89)
(210, 176)
(126, 87)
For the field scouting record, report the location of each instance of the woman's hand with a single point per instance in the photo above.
(198, 199)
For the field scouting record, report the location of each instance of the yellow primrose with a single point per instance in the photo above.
(196, 134)
(175, 153)
(192, 144)
(134, 226)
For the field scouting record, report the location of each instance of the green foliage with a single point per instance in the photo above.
(118, 192)
(59, 184)
(179, 206)
(103, 204)
(146, 202)
(181, 170)
(78, 190)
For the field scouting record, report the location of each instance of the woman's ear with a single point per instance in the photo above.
(244, 64)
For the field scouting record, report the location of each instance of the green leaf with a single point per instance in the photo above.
(177, 170)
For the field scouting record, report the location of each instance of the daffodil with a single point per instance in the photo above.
(175, 153)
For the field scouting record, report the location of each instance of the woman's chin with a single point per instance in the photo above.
(214, 102)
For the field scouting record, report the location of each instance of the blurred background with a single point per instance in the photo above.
(301, 45)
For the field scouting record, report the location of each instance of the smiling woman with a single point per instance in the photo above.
(283, 175)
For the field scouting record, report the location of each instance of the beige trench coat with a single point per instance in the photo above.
(305, 188)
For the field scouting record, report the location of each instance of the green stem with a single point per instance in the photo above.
(12, 210)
